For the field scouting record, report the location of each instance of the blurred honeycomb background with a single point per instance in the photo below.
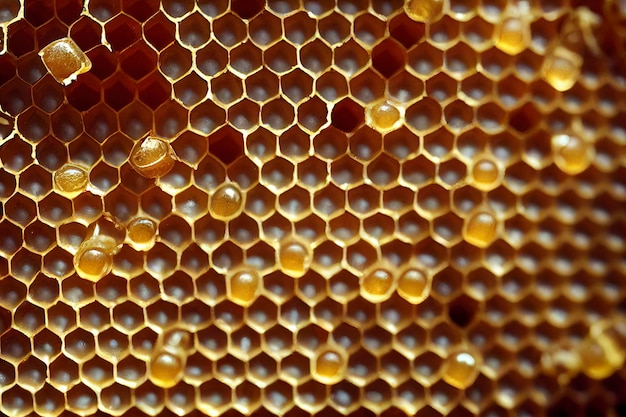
(314, 208)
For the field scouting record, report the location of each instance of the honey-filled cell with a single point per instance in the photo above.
(312, 208)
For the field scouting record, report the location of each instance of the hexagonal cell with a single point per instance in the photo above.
(316, 56)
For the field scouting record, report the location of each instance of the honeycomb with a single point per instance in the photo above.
(313, 208)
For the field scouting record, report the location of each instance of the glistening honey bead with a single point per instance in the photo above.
(460, 369)
(92, 262)
(294, 258)
(413, 285)
(377, 285)
(166, 369)
(571, 153)
(329, 365)
(485, 174)
(383, 117)
(71, 179)
(244, 286)
(65, 60)
(424, 10)
(152, 157)
(141, 233)
(226, 202)
(603, 352)
(512, 35)
(481, 229)
(561, 68)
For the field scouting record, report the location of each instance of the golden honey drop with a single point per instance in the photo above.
(329, 366)
(377, 285)
(604, 350)
(481, 229)
(424, 10)
(152, 157)
(65, 60)
(413, 285)
(460, 369)
(294, 258)
(383, 116)
(485, 174)
(226, 202)
(166, 369)
(177, 341)
(562, 68)
(244, 286)
(71, 179)
(512, 35)
(141, 233)
(571, 153)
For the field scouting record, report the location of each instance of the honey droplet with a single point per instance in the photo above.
(485, 174)
(572, 154)
(413, 285)
(481, 229)
(141, 233)
(512, 35)
(92, 262)
(65, 60)
(177, 341)
(294, 258)
(71, 179)
(166, 369)
(244, 286)
(377, 285)
(383, 117)
(226, 202)
(329, 366)
(152, 157)
(424, 10)
(604, 350)
(460, 369)
(562, 68)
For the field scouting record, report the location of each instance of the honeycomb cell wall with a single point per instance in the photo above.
(313, 208)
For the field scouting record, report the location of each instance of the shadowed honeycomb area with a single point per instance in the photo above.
(313, 208)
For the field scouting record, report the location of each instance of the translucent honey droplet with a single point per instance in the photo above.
(166, 369)
(413, 285)
(294, 258)
(226, 202)
(512, 35)
(481, 229)
(177, 341)
(92, 262)
(424, 10)
(383, 116)
(329, 366)
(562, 68)
(244, 286)
(377, 285)
(142, 233)
(604, 350)
(460, 369)
(572, 154)
(71, 179)
(152, 157)
(65, 60)
(485, 173)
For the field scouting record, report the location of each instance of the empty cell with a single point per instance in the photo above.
(316, 56)
(229, 30)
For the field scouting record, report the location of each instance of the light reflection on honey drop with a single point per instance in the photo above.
(226, 202)
(71, 179)
(141, 233)
(377, 285)
(65, 60)
(424, 10)
(294, 258)
(383, 117)
(329, 366)
(460, 369)
(93, 263)
(413, 285)
(572, 154)
(243, 286)
(166, 369)
(512, 35)
(485, 174)
(481, 229)
(562, 68)
(152, 157)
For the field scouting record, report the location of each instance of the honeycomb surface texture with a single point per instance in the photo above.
(313, 208)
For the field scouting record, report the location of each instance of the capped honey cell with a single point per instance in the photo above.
(65, 60)
(226, 202)
(329, 364)
(460, 369)
(152, 157)
(413, 285)
(383, 116)
(141, 233)
(481, 229)
(94, 258)
(378, 284)
(485, 173)
(166, 369)
(71, 179)
(294, 258)
(244, 286)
